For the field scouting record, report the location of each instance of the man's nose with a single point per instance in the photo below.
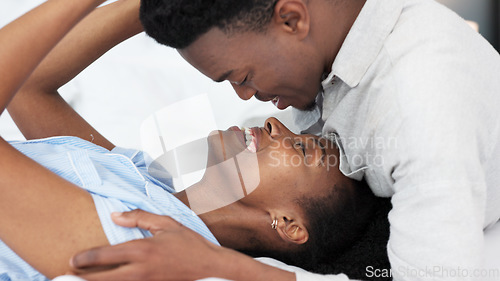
(244, 92)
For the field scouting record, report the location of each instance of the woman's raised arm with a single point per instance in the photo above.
(42, 215)
(38, 109)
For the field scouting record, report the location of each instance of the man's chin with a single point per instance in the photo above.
(308, 108)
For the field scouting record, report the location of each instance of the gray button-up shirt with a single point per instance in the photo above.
(413, 101)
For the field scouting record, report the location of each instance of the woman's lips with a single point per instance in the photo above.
(239, 133)
(255, 133)
(249, 137)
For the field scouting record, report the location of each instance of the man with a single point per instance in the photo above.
(408, 90)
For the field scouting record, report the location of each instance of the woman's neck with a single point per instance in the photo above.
(232, 223)
(208, 195)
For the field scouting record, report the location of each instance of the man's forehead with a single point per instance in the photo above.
(218, 64)
(209, 42)
(215, 45)
(212, 64)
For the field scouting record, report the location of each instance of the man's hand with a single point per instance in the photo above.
(174, 253)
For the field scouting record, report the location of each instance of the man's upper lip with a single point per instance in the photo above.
(264, 97)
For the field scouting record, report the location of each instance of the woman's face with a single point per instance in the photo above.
(257, 175)
(270, 167)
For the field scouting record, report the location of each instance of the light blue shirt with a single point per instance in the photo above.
(118, 181)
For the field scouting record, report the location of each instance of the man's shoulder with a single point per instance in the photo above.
(426, 29)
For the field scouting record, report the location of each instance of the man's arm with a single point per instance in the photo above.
(38, 110)
(174, 253)
(177, 253)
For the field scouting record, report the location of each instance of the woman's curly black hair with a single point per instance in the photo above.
(348, 233)
(366, 254)
(178, 23)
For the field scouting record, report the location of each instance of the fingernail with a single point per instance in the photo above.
(116, 214)
(71, 262)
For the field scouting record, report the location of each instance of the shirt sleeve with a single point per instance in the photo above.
(436, 235)
(116, 234)
(439, 201)
(436, 223)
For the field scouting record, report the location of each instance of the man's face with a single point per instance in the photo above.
(272, 66)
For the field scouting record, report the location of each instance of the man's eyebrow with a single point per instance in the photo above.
(224, 76)
(322, 149)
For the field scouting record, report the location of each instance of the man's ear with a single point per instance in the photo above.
(292, 16)
(293, 231)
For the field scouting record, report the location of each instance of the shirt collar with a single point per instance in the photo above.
(364, 41)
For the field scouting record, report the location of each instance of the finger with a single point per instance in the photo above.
(123, 273)
(106, 256)
(144, 220)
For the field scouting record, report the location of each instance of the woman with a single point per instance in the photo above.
(46, 218)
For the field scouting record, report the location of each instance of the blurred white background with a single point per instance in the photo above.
(484, 12)
(138, 78)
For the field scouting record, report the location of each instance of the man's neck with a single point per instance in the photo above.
(333, 21)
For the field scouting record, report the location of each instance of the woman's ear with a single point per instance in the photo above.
(292, 16)
(292, 230)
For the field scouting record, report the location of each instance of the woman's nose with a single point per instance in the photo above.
(244, 92)
(275, 127)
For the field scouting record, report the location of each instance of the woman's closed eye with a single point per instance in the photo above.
(301, 147)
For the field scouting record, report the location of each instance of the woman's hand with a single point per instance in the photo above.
(173, 253)
(38, 110)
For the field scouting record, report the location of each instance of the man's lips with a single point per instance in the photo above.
(279, 103)
(276, 100)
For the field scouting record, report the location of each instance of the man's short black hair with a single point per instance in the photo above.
(178, 23)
